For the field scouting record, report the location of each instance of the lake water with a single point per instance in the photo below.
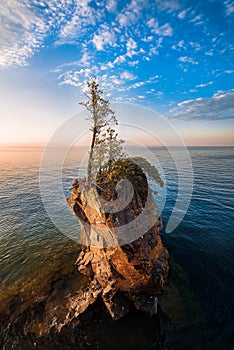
(202, 244)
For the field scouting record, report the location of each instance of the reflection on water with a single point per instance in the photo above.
(202, 244)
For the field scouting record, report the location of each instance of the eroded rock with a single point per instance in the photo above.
(131, 273)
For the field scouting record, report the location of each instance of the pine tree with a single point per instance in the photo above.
(107, 157)
(101, 116)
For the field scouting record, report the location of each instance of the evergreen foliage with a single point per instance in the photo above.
(107, 162)
(105, 148)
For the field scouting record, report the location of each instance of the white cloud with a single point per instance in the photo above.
(178, 46)
(131, 13)
(153, 51)
(164, 30)
(229, 71)
(25, 24)
(152, 23)
(115, 80)
(195, 45)
(111, 5)
(196, 19)
(131, 51)
(126, 75)
(85, 59)
(153, 78)
(159, 93)
(204, 84)
(138, 84)
(133, 63)
(229, 7)
(159, 42)
(21, 32)
(124, 99)
(182, 14)
(76, 78)
(119, 59)
(219, 106)
(187, 59)
(131, 46)
(209, 53)
(103, 38)
(148, 39)
(168, 5)
(181, 43)
(77, 17)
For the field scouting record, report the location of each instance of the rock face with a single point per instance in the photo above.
(122, 266)
(132, 273)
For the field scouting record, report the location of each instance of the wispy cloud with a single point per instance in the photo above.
(111, 5)
(76, 78)
(229, 7)
(133, 63)
(131, 13)
(179, 45)
(168, 5)
(202, 85)
(187, 59)
(85, 59)
(121, 42)
(131, 47)
(138, 84)
(126, 75)
(78, 18)
(219, 106)
(110, 82)
(119, 59)
(164, 30)
(195, 45)
(183, 13)
(196, 19)
(21, 32)
(104, 38)
(25, 25)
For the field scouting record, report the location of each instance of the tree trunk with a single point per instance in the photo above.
(89, 168)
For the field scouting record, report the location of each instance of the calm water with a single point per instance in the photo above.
(202, 244)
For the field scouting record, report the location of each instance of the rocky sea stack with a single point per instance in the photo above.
(132, 273)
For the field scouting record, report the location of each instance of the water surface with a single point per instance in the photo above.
(202, 244)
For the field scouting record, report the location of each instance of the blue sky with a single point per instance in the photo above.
(175, 57)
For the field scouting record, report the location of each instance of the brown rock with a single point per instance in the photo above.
(132, 273)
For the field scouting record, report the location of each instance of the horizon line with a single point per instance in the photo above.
(14, 147)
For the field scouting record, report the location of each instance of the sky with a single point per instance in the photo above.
(173, 57)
